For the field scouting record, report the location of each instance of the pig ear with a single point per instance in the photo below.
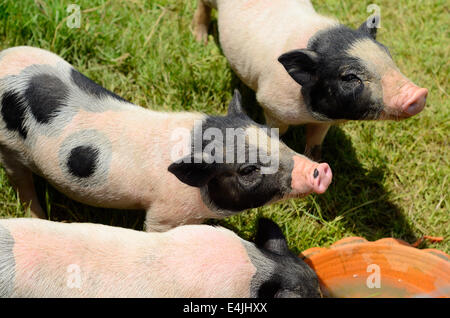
(370, 26)
(235, 106)
(192, 171)
(270, 237)
(300, 64)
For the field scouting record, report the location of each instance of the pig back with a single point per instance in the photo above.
(49, 259)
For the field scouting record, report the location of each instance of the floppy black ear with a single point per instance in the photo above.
(235, 106)
(270, 237)
(195, 174)
(370, 26)
(300, 64)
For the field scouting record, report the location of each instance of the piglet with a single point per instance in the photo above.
(307, 68)
(40, 258)
(102, 150)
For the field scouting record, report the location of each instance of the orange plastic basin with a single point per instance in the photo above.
(354, 267)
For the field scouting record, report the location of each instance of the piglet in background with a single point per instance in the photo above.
(101, 150)
(307, 68)
(40, 258)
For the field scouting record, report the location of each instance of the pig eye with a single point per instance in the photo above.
(351, 84)
(246, 170)
(349, 78)
(249, 176)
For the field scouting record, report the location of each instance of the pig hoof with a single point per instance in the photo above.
(314, 153)
(201, 35)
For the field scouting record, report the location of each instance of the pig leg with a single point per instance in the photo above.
(160, 218)
(21, 179)
(315, 134)
(153, 225)
(201, 21)
(271, 121)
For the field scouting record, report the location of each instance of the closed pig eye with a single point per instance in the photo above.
(248, 169)
(351, 84)
(249, 176)
(350, 78)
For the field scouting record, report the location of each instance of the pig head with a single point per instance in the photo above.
(346, 74)
(241, 164)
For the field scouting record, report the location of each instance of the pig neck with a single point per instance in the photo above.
(301, 41)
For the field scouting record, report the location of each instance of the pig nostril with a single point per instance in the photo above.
(416, 103)
(413, 108)
(316, 173)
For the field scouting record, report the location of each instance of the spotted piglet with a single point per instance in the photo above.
(40, 258)
(101, 150)
(307, 68)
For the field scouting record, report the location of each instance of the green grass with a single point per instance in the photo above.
(391, 179)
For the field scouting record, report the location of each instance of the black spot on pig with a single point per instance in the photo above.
(46, 95)
(88, 85)
(13, 113)
(82, 161)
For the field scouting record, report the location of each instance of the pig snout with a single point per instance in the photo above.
(309, 176)
(402, 97)
(416, 101)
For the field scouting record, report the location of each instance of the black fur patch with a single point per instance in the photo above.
(88, 85)
(82, 161)
(335, 40)
(228, 189)
(227, 193)
(233, 186)
(13, 113)
(287, 275)
(233, 191)
(46, 95)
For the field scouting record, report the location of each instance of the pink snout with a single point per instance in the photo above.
(309, 176)
(416, 102)
(402, 97)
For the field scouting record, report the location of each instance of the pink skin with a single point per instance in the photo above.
(402, 98)
(118, 262)
(14, 60)
(305, 179)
